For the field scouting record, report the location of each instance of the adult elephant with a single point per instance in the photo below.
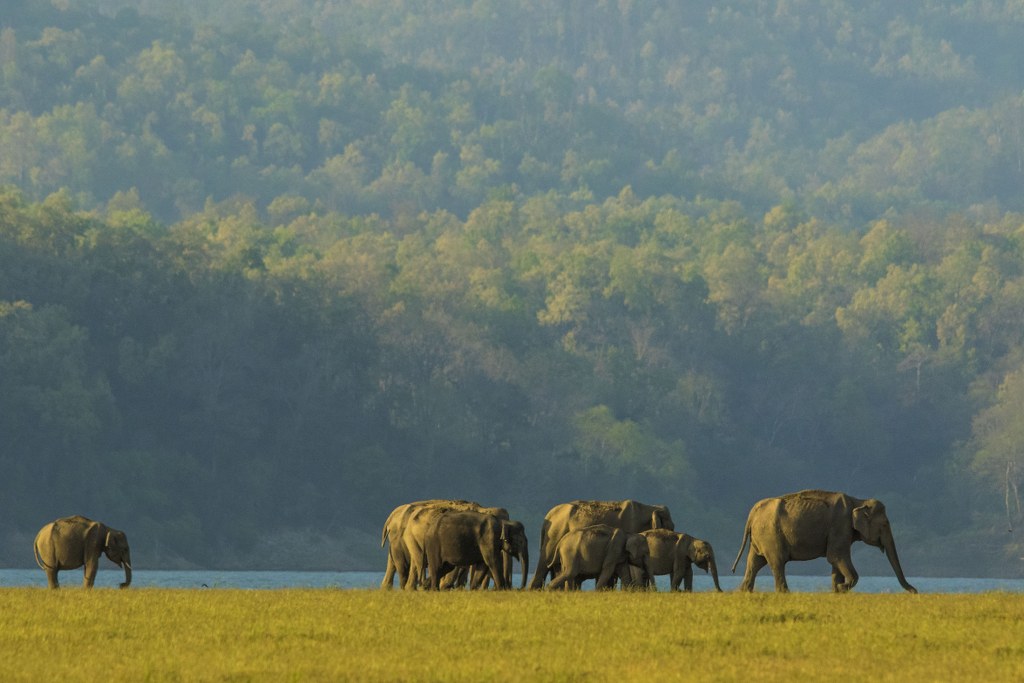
(71, 542)
(467, 539)
(600, 552)
(811, 524)
(675, 553)
(399, 560)
(629, 515)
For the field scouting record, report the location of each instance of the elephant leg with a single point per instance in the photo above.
(565, 578)
(844, 576)
(562, 579)
(89, 577)
(409, 581)
(838, 580)
(755, 563)
(421, 571)
(497, 573)
(688, 578)
(542, 563)
(437, 574)
(389, 574)
(479, 578)
(607, 577)
(413, 575)
(778, 567)
(625, 577)
(506, 568)
(452, 579)
(51, 578)
(403, 567)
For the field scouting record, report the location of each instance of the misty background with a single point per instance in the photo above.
(270, 269)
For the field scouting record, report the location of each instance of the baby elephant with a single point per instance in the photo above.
(599, 552)
(71, 542)
(675, 554)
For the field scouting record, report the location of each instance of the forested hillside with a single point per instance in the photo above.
(268, 269)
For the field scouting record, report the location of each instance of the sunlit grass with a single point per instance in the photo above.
(325, 634)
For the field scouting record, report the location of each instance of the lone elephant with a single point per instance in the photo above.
(675, 553)
(71, 542)
(600, 552)
(467, 539)
(812, 524)
(629, 515)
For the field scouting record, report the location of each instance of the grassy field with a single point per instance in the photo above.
(328, 635)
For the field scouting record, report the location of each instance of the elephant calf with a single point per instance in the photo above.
(599, 552)
(71, 542)
(675, 554)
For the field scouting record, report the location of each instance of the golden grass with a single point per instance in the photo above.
(368, 635)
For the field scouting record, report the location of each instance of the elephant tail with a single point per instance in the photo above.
(39, 560)
(383, 535)
(743, 544)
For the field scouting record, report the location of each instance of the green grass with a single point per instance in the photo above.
(327, 635)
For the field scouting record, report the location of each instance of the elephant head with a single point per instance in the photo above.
(115, 547)
(703, 555)
(871, 525)
(638, 554)
(514, 544)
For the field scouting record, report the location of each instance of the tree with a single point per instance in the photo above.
(998, 446)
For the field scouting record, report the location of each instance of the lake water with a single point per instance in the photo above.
(203, 579)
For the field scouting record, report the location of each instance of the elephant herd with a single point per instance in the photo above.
(438, 544)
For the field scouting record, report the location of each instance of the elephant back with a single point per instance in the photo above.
(585, 513)
(662, 543)
(594, 533)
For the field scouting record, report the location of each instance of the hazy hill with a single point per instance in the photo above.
(268, 269)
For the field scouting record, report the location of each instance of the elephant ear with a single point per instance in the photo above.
(862, 521)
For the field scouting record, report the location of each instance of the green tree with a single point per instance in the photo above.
(998, 446)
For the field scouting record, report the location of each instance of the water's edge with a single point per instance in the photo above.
(212, 579)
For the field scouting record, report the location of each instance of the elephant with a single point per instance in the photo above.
(71, 542)
(628, 515)
(398, 560)
(409, 550)
(599, 552)
(675, 554)
(811, 524)
(468, 539)
(419, 524)
(479, 577)
(518, 548)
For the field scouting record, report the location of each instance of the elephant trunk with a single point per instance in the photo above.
(524, 565)
(506, 569)
(889, 548)
(126, 562)
(713, 568)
